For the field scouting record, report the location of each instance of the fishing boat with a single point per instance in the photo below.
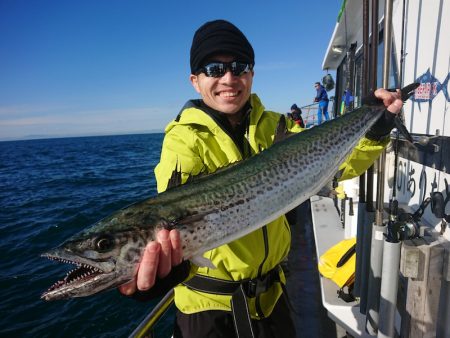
(398, 210)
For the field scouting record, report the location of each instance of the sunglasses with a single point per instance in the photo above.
(219, 69)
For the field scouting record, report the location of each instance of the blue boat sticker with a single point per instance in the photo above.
(429, 88)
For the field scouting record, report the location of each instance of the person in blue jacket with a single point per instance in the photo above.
(322, 98)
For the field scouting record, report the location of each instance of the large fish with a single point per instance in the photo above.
(214, 209)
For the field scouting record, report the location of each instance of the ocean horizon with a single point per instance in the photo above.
(48, 137)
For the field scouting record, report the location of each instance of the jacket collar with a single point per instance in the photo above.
(193, 113)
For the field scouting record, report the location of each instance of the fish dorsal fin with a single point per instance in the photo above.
(281, 132)
(175, 177)
(406, 92)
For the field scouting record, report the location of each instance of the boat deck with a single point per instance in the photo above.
(303, 281)
(328, 231)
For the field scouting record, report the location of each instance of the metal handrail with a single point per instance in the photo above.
(309, 113)
(145, 328)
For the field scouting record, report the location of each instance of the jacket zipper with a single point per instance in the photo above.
(266, 254)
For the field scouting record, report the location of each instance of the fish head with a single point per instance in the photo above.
(105, 256)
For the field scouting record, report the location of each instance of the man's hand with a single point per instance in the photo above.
(158, 259)
(393, 103)
(392, 100)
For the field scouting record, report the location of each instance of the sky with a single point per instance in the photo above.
(91, 67)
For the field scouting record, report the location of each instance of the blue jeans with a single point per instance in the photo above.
(323, 109)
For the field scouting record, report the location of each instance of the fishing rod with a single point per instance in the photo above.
(376, 246)
(393, 203)
(364, 233)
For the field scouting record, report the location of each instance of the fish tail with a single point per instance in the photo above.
(406, 93)
(408, 90)
(445, 87)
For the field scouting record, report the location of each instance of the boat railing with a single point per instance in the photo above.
(145, 328)
(309, 113)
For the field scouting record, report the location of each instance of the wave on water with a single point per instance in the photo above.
(50, 190)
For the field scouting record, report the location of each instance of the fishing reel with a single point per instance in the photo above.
(407, 226)
(438, 205)
(404, 225)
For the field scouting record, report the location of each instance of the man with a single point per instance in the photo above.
(322, 98)
(226, 125)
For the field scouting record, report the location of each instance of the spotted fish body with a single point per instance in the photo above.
(212, 210)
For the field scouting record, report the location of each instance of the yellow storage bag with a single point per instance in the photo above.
(339, 263)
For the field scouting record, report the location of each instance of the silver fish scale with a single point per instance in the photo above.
(268, 185)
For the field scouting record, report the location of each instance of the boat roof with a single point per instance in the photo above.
(348, 30)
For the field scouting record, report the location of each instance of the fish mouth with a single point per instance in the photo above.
(76, 282)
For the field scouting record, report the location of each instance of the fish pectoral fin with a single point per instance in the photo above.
(190, 219)
(281, 132)
(201, 261)
(175, 177)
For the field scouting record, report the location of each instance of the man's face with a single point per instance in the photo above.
(227, 94)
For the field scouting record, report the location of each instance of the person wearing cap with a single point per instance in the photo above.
(322, 99)
(296, 114)
(244, 294)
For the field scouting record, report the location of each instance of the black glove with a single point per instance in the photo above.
(177, 275)
(385, 123)
(382, 127)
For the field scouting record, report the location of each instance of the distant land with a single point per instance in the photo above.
(40, 137)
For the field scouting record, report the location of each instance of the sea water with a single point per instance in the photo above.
(51, 189)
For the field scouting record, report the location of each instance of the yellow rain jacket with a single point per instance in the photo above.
(197, 144)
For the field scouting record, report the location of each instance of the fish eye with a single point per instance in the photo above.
(104, 243)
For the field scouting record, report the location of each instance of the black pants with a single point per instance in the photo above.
(219, 324)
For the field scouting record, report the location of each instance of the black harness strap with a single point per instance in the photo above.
(212, 285)
(241, 316)
(239, 291)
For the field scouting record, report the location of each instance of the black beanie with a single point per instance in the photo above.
(219, 36)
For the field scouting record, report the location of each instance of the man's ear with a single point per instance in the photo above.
(194, 80)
